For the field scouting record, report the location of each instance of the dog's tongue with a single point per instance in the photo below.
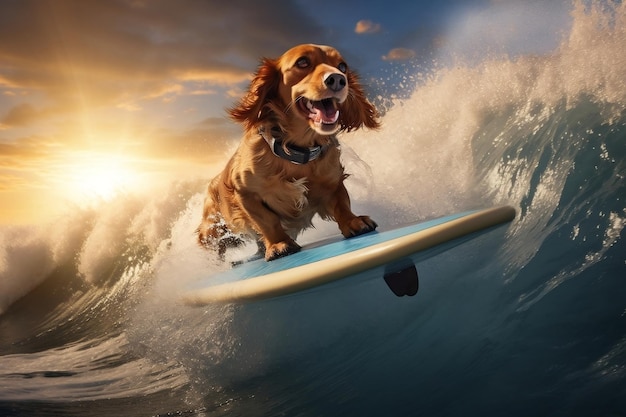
(324, 111)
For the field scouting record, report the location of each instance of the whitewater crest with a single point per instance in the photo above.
(114, 245)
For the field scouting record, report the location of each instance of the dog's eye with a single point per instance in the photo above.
(303, 62)
(343, 67)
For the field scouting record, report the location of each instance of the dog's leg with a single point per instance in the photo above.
(349, 224)
(213, 232)
(277, 242)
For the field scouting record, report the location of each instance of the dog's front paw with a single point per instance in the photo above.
(358, 226)
(280, 249)
(218, 237)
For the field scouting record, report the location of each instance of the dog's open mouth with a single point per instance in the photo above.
(323, 112)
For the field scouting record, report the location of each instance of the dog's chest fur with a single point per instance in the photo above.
(294, 192)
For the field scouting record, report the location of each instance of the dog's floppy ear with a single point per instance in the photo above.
(263, 89)
(357, 111)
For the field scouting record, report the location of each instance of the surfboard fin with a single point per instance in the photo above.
(401, 278)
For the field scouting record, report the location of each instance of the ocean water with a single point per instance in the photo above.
(526, 320)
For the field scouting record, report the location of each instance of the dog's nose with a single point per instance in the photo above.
(335, 82)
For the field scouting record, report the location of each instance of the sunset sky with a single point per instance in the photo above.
(104, 95)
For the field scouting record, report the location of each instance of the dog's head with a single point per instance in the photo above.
(309, 86)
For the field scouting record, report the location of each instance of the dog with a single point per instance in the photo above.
(287, 167)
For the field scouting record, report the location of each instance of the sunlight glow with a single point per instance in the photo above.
(102, 181)
(97, 176)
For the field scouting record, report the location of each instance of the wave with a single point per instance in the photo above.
(545, 133)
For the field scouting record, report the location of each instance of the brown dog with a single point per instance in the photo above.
(287, 168)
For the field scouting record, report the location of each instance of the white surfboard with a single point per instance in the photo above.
(319, 264)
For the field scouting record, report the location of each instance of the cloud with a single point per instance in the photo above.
(399, 54)
(117, 76)
(204, 141)
(76, 53)
(202, 92)
(23, 161)
(19, 115)
(367, 26)
(128, 106)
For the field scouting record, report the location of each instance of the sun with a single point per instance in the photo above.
(94, 176)
(103, 181)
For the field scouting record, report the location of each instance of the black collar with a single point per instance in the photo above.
(292, 153)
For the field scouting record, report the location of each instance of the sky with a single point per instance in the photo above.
(98, 96)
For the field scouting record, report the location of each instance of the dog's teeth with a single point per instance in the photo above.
(309, 105)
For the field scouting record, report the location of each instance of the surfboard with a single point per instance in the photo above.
(330, 260)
